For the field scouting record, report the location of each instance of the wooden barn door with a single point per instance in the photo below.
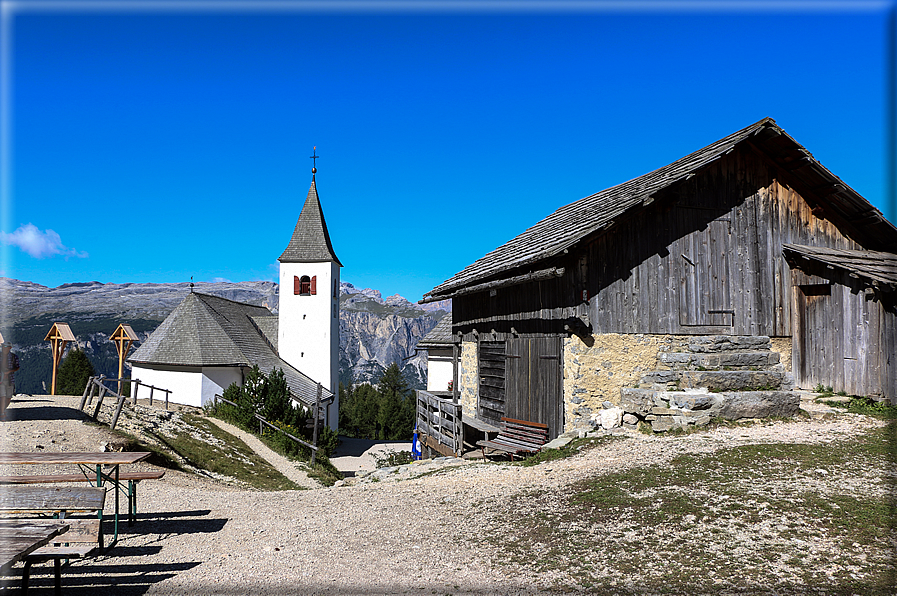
(705, 272)
(835, 339)
(534, 382)
(491, 402)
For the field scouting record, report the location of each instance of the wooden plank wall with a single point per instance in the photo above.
(730, 220)
(844, 335)
(534, 382)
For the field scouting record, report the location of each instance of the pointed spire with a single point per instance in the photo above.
(310, 242)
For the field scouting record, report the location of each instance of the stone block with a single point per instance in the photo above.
(735, 405)
(664, 411)
(662, 424)
(692, 401)
(611, 418)
(674, 358)
(737, 359)
(661, 377)
(636, 401)
(732, 380)
(630, 419)
(728, 343)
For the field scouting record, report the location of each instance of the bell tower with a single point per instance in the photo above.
(308, 319)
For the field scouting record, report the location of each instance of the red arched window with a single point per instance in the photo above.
(305, 285)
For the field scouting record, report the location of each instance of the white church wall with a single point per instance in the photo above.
(308, 327)
(185, 384)
(439, 369)
(215, 379)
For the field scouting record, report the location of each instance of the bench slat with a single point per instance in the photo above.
(62, 552)
(21, 498)
(50, 478)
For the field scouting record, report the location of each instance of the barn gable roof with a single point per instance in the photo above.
(440, 335)
(880, 267)
(581, 219)
(310, 242)
(205, 330)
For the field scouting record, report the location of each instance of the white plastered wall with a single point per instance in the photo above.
(308, 326)
(439, 369)
(192, 386)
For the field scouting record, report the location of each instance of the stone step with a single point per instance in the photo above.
(733, 380)
(677, 409)
(713, 361)
(715, 344)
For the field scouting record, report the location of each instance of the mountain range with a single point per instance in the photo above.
(374, 332)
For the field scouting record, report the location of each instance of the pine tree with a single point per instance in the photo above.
(73, 373)
(395, 416)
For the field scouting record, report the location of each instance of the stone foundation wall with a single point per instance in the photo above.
(468, 378)
(596, 370)
(782, 345)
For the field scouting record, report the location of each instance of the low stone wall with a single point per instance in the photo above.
(597, 369)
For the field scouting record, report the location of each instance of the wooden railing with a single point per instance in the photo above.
(96, 387)
(262, 421)
(439, 423)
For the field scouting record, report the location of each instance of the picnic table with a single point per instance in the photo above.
(21, 537)
(95, 460)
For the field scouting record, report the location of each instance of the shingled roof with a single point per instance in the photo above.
(206, 330)
(439, 336)
(876, 266)
(590, 216)
(310, 242)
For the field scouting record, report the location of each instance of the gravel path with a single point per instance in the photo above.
(290, 469)
(421, 536)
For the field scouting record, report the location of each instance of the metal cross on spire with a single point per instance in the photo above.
(314, 157)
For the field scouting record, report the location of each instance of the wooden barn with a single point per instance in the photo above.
(552, 325)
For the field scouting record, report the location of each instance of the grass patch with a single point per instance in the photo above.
(222, 453)
(574, 447)
(767, 516)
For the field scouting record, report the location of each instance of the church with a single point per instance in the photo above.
(207, 343)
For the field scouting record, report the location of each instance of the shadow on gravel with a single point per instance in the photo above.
(40, 409)
(94, 577)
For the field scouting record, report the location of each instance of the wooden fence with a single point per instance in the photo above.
(316, 416)
(439, 423)
(96, 387)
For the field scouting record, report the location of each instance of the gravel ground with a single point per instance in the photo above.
(420, 536)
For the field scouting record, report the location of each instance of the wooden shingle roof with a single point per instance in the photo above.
(439, 336)
(206, 330)
(310, 242)
(876, 266)
(589, 216)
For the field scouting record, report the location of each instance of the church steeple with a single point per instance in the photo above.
(310, 242)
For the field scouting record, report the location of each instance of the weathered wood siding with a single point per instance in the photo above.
(844, 336)
(704, 257)
(534, 382)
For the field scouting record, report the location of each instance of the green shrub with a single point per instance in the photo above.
(73, 373)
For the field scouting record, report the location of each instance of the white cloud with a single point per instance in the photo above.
(218, 280)
(39, 245)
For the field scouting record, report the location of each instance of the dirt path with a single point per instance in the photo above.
(286, 467)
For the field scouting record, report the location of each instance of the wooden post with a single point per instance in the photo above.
(135, 383)
(121, 402)
(166, 400)
(123, 337)
(102, 394)
(58, 336)
(314, 434)
(455, 392)
(87, 389)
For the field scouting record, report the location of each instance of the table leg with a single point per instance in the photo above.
(100, 512)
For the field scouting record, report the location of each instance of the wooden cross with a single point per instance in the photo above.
(120, 336)
(59, 335)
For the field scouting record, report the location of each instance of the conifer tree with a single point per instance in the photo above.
(73, 373)
(395, 416)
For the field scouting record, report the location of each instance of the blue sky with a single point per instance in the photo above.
(149, 144)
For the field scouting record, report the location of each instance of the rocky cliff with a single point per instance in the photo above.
(374, 332)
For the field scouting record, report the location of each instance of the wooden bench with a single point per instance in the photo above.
(83, 537)
(517, 437)
(132, 477)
